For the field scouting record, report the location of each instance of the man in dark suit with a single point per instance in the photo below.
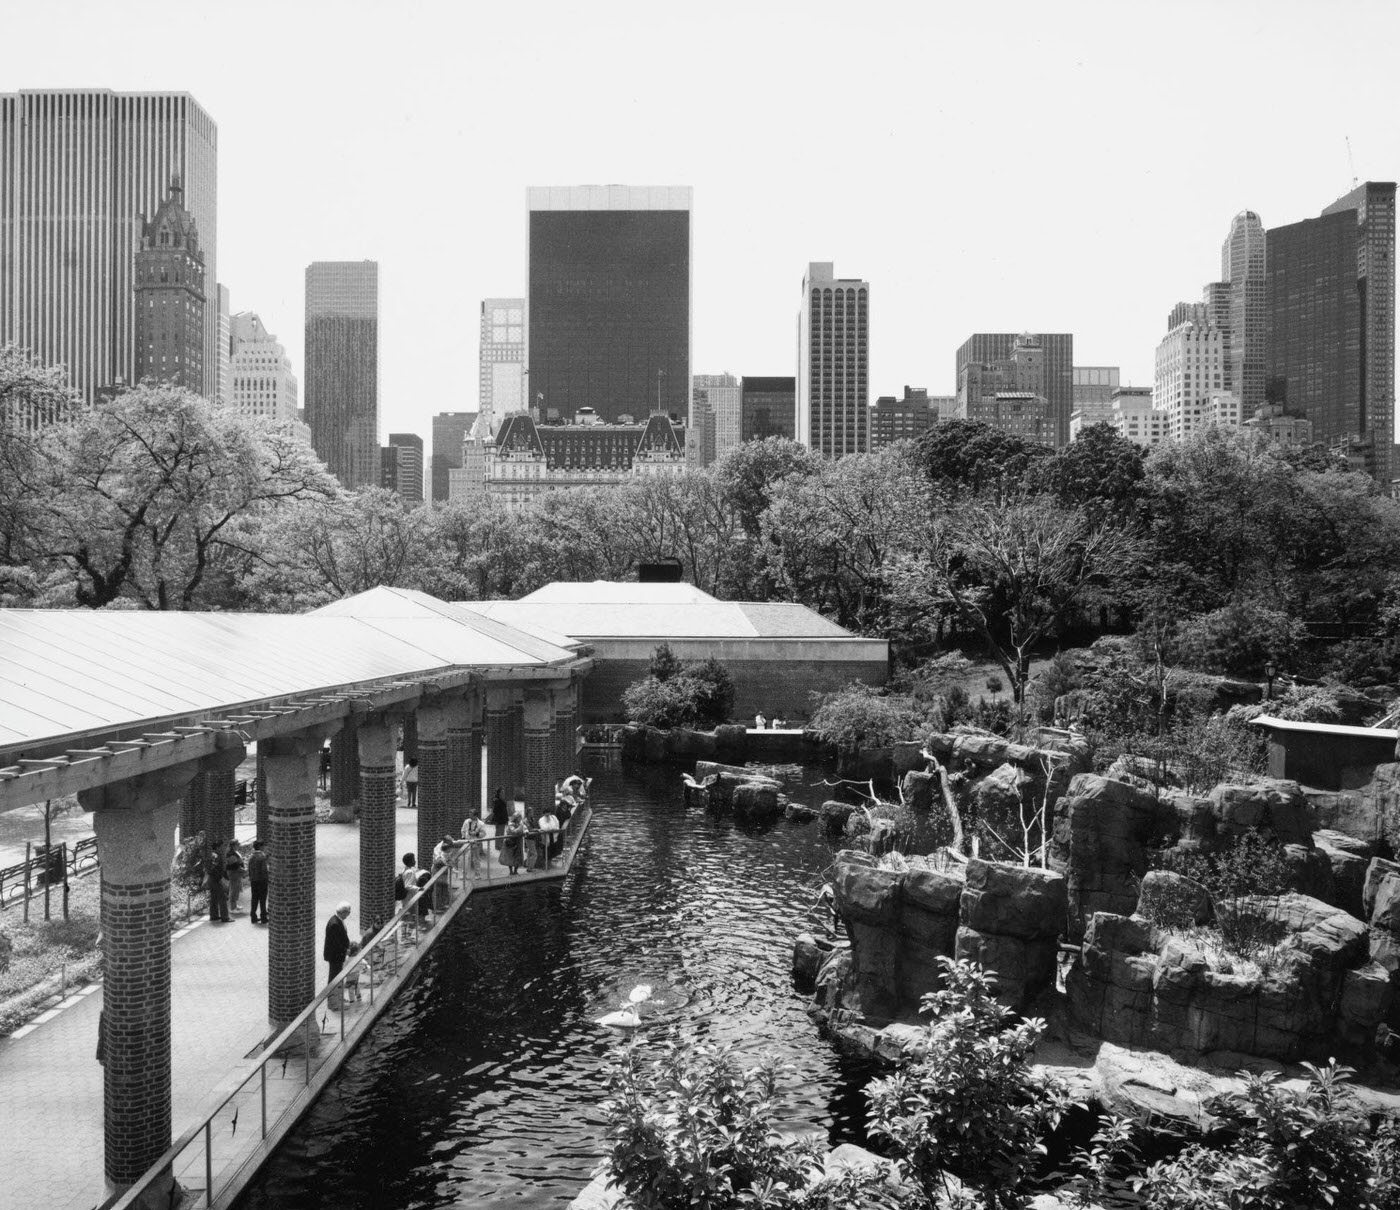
(337, 942)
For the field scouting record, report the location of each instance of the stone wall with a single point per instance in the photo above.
(901, 921)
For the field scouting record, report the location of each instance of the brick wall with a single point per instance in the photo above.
(432, 793)
(291, 770)
(345, 770)
(500, 769)
(218, 792)
(194, 812)
(777, 687)
(378, 800)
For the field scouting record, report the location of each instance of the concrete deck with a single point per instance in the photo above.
(51, 1119)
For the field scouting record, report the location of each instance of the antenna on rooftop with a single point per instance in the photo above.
(1351, 160)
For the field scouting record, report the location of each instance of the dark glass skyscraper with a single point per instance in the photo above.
(608, 323)
(1058, 347)
(767, 408)
(342, 368)
(1331, 323)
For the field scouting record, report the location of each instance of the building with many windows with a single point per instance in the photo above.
(170, 301)
(1190, 367)
(342, 368)
(903, 419)
(1243, 266)
(450, 430)
(608, 312)
(1010, 393)
(261, 382)
(1278, 426)
(501, 357)
(767, 408)
(833, 362)
(714, 416)
(78, 167)
(1056, 369)
(1330, 298)
(1132, 414)
(401, 466)
(526, 460)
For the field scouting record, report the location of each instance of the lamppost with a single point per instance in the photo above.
(1270, 671)
(660, 374)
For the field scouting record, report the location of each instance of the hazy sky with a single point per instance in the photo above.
(993, 167)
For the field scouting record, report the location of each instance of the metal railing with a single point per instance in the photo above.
(321, 1034)
(26, 879)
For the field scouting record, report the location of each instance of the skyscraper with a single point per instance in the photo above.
(342, 368)
(1058, 362)
(261, 382)
(767, 408)
(224, 349)
(401, 466)
(450, 429)
(833, 362)
(502, 361)
(1243, 264)
(1331, 323)
(1010, 393)
(78, 168)
(170, 302)
(905, 419)
(714, 414)
(608, 315)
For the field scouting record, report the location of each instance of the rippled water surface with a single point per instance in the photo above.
(481, 1085)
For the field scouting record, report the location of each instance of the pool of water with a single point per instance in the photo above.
(481, 1085)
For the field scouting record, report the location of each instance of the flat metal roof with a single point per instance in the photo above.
(1271, 723)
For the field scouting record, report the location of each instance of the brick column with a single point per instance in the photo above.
(218, 795)
(500, 768)
(564, 729)
(539, 737)
(378, 741)
(135, 824)
(345, 774)
(292, 767)
(517, 743)
(261, 810)
(436, 807)
(464, 762)
(194, 810)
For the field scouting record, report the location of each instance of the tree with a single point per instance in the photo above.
(1012, 570)
(747, 477)
(1100, 472)
(144, 493)
(968, 456)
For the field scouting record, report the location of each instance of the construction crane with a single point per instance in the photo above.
(1351, 161)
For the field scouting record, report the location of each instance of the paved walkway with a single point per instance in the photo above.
(51, 1083)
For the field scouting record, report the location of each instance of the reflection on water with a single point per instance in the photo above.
(481, 1085)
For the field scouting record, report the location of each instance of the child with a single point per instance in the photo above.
(352, 975)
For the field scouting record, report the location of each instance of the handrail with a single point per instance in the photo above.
(296, 1035)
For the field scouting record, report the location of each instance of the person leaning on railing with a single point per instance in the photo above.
(473, 836)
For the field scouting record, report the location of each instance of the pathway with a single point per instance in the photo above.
(51, 1084)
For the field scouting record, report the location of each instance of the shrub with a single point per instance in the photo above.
(858, 718)
(1307, 704)
(693, 1130)
(1240, 638)
(974, 1105)
(1362, 662)
(7, 948)
(664, 704)
(699, 694)
(664, 663)
(1251, 865)
(187, 868)
(714, 692)
(1283, 1148)
(1059, 676)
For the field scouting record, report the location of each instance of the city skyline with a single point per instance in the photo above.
(1119, 230)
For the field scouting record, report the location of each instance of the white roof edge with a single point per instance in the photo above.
(1289, 724)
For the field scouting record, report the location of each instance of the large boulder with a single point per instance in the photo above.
(1104, 833)
(919, 789)
(834, 816)
(999, 794)
(1380, 810)
(1009, 920)
(808, 953)
(758, 800)
(1348, 868)
(1164, 895)
(1273, 806)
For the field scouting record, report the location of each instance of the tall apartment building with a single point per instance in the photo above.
(1330, 297)
(222, 383)
(450, 430)
(767, 408)
(78, 169)
(1058, 369)
(1010, 393)
(1190, 367)
(902, 419)
(401, 466)
(501, 357)
(1132, 414)
(1243, 266)
(608, 314)
(261, 382)
(342, 368)
(833, 362)
(714, 413)
(170, 302)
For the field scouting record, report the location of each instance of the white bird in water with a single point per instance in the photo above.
(628, 1016)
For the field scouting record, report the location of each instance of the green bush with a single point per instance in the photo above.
(858, 718)
(699, 694)
(975, 1105)
(187, 870)
(714, 693)
(664, 663)
(1249, 866)
(1240, 639)
(1282, 1148)
(1361, 662)
(693, 1130)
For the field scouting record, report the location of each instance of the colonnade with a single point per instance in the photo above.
(526, 728)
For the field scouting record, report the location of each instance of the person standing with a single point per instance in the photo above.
(217, 874)
(500, 816)
(337, 946)
(410, 783)
(473, 833)
(759, 721)
(513, 847)
(233, 863)
(257, 883)
(549, 838)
